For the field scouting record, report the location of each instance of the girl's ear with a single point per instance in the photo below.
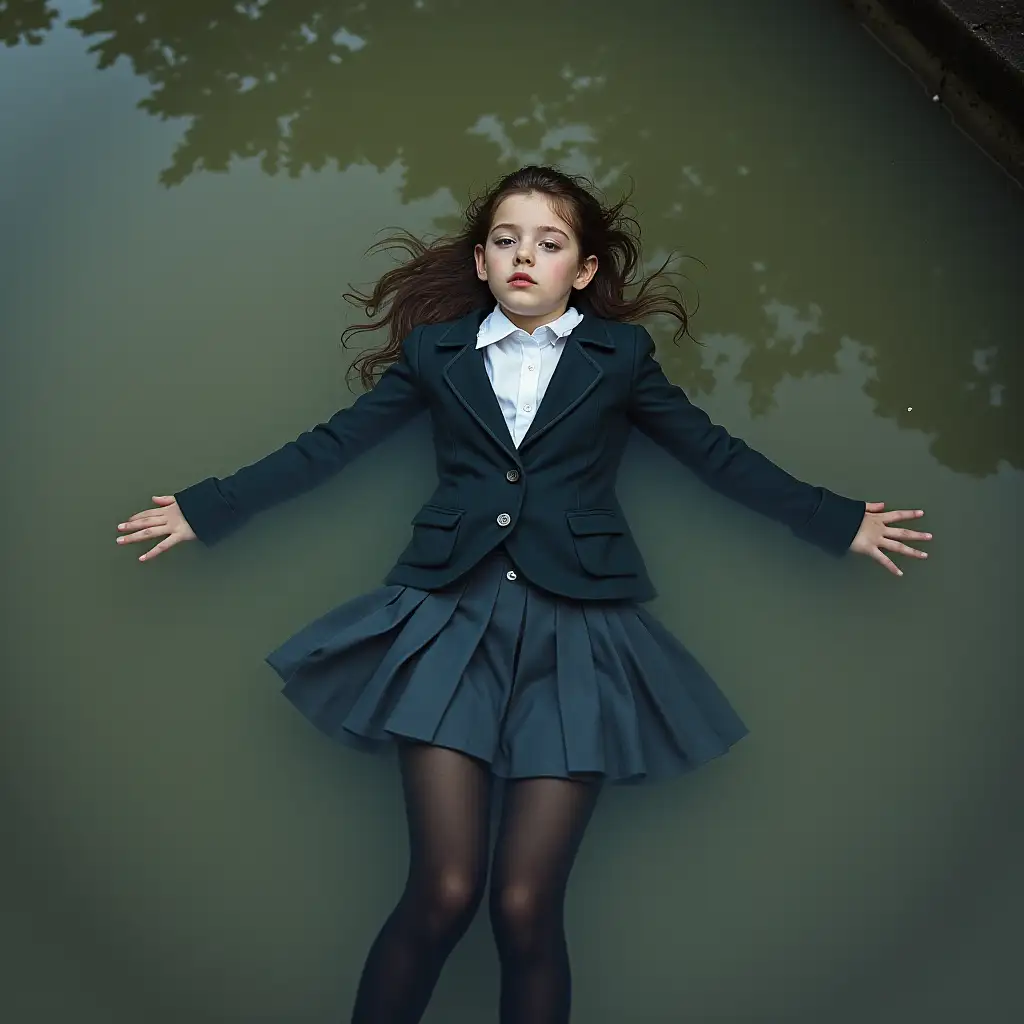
(588, 268)
(481, 266)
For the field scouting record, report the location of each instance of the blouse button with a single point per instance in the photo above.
(512, 476)
(510, 575)
(504, 519)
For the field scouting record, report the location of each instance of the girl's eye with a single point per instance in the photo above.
(500, 242)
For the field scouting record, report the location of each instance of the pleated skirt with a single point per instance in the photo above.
(532, 683)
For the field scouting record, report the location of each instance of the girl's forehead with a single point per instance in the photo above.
(533, 208)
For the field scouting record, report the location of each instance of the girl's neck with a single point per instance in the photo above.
(531, 323)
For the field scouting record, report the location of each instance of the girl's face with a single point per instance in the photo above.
(528, 238)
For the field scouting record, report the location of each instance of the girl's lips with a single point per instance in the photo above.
(521, 282)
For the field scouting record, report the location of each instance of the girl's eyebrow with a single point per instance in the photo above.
(544, 228)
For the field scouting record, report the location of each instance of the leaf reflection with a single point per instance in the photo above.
(302, 84)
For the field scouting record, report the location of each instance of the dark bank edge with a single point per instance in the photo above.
(969, 54)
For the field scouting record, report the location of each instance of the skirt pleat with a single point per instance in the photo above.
(532, 683)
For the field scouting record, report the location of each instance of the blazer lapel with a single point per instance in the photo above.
(575, 376)
(466, 375)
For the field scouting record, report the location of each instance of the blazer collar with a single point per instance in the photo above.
(590, 331)
(497, 327)
(575, 377)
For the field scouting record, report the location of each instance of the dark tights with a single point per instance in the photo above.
(447, 799)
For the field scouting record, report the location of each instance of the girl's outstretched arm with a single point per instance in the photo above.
(216, 506)
(661, 410)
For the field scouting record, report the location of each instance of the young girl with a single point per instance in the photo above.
(510, 640)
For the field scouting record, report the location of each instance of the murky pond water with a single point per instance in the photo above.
(179, 224)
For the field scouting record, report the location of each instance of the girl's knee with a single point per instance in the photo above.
(449, 900)
(457, 892)
(522, 916)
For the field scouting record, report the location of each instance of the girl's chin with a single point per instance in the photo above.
(523, 300)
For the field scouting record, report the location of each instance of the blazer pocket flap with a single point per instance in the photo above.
(584, 524)
(434, 515)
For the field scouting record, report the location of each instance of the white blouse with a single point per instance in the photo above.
(520, 365)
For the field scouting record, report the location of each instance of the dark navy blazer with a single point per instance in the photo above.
(552, 500)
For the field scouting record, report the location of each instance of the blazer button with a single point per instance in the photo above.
(511, 574)
(512, 476)
(504, 519)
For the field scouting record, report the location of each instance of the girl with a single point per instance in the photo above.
(510, 640)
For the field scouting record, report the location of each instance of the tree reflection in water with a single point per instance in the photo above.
(458, 95)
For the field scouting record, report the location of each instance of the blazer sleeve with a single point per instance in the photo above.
(661, 410)
(217, 506)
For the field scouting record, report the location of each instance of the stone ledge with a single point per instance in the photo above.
(969, 54)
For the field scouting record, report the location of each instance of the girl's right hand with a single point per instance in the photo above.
(166, 521)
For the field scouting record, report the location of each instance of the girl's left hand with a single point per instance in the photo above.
(875, 533)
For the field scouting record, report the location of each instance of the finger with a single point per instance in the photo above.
(140, 524)
(903, 549)
(874, 506)
(890, 565)
(141, 534)
(153, 552)
(907, 534)
(903, 513)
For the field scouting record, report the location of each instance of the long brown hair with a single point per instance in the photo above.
(438, 281)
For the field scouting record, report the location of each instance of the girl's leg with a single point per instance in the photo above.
(542, 825)
(447, 800)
